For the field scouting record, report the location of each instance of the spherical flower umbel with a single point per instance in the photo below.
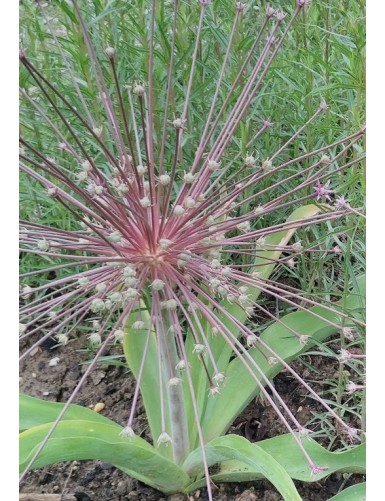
(173, 227)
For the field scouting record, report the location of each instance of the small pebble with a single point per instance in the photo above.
(45, 393)
(54, 361)
(99, 407)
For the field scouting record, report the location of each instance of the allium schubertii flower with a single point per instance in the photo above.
(172, 214)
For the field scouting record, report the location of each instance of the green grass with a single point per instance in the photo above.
(321, 58)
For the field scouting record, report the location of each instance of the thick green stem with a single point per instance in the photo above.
(177, 407)
(178, 420)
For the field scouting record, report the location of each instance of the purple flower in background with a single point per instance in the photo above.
(322, 191)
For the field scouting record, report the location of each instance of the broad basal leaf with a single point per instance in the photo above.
(34, 412)
(234, 447)
(79, 439)
(353, 493)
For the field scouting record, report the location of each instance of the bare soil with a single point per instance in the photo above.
(113, 386)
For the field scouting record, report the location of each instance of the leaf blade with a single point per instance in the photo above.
(80, 440)
(35, 411)
(232, 447)
(353, 493)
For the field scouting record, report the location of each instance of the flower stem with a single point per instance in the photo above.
(177, 406)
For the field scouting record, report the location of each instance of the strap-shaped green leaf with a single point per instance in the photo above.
(234, 447)
(252, 464)
(77, 440)
(285, 450)
(353, 493)
(34, 412)
(134, 346)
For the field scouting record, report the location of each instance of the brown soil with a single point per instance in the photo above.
(112, 385)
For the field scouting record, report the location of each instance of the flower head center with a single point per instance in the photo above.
(155, 258)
